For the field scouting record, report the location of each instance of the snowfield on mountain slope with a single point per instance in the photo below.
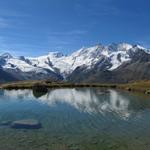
(56, 61)
(15, 63)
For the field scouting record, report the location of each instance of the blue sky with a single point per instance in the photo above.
(35, 27)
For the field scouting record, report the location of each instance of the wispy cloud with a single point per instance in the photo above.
(12, 13)
(2, 43)
(3, 23)
(17, 49)
(65, 38)
(69, 33)
(97, 8)
(58, 41)
(13, 18)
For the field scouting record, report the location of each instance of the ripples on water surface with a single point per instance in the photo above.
(74, 119)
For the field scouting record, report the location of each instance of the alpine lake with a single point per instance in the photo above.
(75, 119)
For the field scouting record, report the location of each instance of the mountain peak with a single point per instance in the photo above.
(6, 56)
(119, 47)
(138, 46)
(56, 54)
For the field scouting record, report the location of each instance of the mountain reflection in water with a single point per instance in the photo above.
(85, 100)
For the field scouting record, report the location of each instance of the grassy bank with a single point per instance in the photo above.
(30, 85)
(139, 86)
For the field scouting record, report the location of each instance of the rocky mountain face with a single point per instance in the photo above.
(115, 63)
(6, 77)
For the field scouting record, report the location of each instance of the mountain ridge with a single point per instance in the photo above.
(101, 59)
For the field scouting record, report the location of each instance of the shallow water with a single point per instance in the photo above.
(74, 119)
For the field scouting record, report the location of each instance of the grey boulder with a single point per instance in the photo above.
(26, 124)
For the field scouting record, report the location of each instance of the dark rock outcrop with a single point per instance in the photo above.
(6, 77)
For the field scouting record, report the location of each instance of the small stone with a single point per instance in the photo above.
(147, 92)
(128, 89)
(26, 124)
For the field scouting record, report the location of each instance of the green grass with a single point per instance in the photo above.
(138, 86)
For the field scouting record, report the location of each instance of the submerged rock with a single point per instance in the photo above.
(26, 124)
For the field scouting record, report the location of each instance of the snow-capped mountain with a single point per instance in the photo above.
(56, 65)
